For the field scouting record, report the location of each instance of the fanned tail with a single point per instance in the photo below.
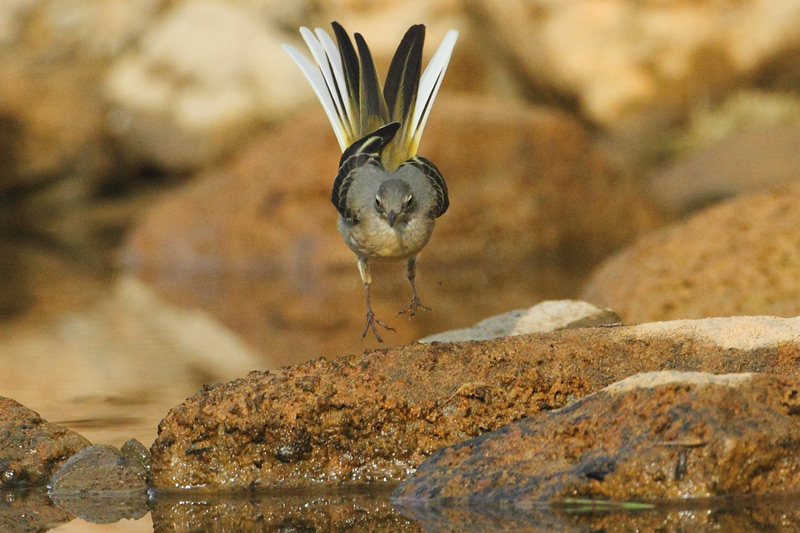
(347, 84)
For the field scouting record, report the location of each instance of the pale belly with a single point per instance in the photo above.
(379, 241)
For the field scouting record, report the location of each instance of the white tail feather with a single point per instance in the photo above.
(317, 81)
(338, 73)
(429, 84)
(324, 61)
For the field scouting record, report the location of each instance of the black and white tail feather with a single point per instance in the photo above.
(347, 84)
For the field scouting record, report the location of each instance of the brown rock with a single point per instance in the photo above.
(754, 160)
(622, 59)
(57, 165)
(377, 416)
(31, 449)
(203, 75)
(657, 436)
(741, 257)
(533, 206)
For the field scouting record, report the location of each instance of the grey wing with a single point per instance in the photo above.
(344, 179)
(436, 180)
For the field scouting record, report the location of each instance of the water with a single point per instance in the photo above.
(371, 509)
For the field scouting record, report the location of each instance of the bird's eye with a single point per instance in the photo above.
(408, 200)
(378, 203)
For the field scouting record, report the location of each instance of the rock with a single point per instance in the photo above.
(203, 75)
(31, 449)
(657, 436)
(60, 362)
(103, 485)
(740, 257)
(377, 416)
(100, 468)
(728, 168)
(545, 316)
(256, 243)
(62, 181)
(45, 60)
(621, 60)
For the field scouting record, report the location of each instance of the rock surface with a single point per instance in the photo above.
(31, 449)
(100, 468)
(657, 436)
(379, 415)
(256, 244)
(545, 316)
(102, 484)
(202, 76)
(741, 257)
(728, 168)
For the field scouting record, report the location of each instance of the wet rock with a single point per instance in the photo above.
(103, 468)
(657, 436)
(256, 243)
(103, 485)
(377, 416)
(545, 316)
(138, 453)
(31, 449)
(741, 257)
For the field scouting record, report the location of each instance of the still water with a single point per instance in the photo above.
(371, 509)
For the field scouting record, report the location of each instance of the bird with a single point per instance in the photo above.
(386, 195)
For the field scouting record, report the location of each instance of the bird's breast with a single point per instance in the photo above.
(377, 240)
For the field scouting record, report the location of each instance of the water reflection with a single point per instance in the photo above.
(371, 509)
(729, 515)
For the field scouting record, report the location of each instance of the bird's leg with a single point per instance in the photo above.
(415, 303)
(366, 279)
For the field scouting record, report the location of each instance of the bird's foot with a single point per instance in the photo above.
(371, 321)
(413, 306)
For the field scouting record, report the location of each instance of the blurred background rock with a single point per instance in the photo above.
(165, 173)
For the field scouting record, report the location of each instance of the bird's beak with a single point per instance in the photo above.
(391, 216)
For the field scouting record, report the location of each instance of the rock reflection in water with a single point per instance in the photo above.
(729, 515)
(29, 510)
(370, 509)
(364, 509)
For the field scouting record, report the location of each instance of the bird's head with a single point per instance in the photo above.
(394, 201)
